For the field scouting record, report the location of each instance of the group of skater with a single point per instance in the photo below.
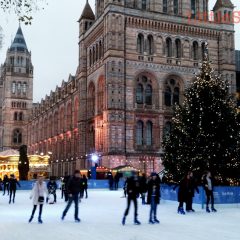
(135, 186)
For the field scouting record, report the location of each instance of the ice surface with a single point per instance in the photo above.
(101, 216)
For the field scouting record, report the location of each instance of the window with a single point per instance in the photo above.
(91, 99)
(17, 136)
(12, 60)
(168, 96)
(139, 95)
(148, 94)
(178, 48)
(175, 7)
(15, 116)
(140, 44)
(24, 89)
(20, 116)
(100, 50)
(14, 87)
(150, 45)
(139, 134)
(167, 129)
(195, 50)
(149, 133)
(90, 57)
(97, 57)
(193, 8)
(19, 86)
(165, 6)
(144, 4)
(203, 50)
(94, 55)
(169, 47)
(172, 92)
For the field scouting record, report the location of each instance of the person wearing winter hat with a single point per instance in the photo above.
(153, 197)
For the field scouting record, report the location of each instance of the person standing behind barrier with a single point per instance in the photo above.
(208, 187)
(153, 197)
(38, 194)
(74, 188)
(5, 185)
(191, 190)
(143, 188)
(133, 186)
(12, 188)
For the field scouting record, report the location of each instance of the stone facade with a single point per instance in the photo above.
(16, 94)
(136, 57)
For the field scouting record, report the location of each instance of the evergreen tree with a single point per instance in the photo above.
(23, 164)
(205, 132)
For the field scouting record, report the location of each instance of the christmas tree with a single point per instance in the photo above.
(205, 132)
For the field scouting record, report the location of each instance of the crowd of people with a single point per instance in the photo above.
(148, 189)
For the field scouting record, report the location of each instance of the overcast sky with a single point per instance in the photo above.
(53, 40)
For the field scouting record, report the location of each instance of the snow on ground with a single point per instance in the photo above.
(101, 216)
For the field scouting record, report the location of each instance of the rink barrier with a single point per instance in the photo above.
(222, 195)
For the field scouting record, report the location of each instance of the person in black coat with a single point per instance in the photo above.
(192, 187)
(85, 186)
(12, 188)
(184, 191)
(153, 197)
(143, 188)
(5, 184)
(74, 187)
(133, 187)
(52, 188)
(64, 186)
(208, 185)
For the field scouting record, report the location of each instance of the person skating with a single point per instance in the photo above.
(183, 192)
(74, 187)
(12, 188)
(208, 187)
(64, 186)
(38, 194)
(192, 186)
(153, 197)
(85, 186)
(5, 185)
(143, 188)
(132, 195)
(52, 188)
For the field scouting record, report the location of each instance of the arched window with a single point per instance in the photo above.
(150, 45)
(139, 133)
(165, 6)
(90, 57)
(144, 4)
(94, 55)
(100, 95)
(169, 47)
(172, 92)
(24, 88)
(100, 49)
(149, 139)
(140, 44)
(193, 8)
(168, 96)
(15, 116)
(178, 48)
(17, 136)
(176, 95)
(139, 94)
(91, 99)
(19, 86)
(195, 50)
(148, 95)
(97, 57)
(69, 116)
(203, 50)
(14, 87)
(175, 7)
(167, 129)
(20, 118)
(76, 107)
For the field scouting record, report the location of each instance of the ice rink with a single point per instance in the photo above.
(101, 216)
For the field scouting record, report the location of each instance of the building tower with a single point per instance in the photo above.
(16, 94)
